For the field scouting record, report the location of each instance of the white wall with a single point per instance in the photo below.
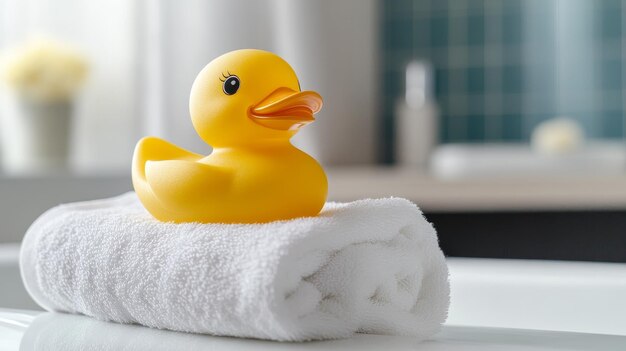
(333, 46)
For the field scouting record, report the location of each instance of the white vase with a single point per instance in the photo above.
(35, 136)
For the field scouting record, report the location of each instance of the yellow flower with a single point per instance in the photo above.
(44, 70)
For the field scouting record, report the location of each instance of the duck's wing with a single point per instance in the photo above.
(185, 183)
(155, 149)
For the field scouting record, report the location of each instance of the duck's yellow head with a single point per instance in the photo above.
(249, 96)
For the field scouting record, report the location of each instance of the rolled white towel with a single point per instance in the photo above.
(370, 266)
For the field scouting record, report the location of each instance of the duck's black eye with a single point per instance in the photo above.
(231, 85)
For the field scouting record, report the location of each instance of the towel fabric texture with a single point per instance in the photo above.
(371, 266)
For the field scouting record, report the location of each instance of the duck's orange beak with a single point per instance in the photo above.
(286, 109)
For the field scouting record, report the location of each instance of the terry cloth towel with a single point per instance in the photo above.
(370, 266)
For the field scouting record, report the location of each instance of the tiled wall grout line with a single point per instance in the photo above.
(457, 82)
(493, 76)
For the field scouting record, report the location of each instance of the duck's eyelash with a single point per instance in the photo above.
(225, 76)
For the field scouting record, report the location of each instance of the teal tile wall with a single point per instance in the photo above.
(495, 66)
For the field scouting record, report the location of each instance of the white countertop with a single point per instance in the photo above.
(25, 331)
(585, 297)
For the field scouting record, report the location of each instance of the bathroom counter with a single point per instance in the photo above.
(23, 199)
(480, 193)
(24, 330)
(549, 217)
(350, 183)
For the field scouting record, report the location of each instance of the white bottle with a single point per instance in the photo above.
(416, 124)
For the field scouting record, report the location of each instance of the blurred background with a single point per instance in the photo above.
(503, 120)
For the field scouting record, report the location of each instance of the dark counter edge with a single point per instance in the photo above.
(590, 235)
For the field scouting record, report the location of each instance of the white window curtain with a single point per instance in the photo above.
(145, 55)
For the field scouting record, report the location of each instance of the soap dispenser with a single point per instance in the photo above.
(416, 118)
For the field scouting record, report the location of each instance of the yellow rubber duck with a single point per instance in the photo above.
(247, 104)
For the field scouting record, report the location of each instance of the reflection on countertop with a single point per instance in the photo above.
(52, 331)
